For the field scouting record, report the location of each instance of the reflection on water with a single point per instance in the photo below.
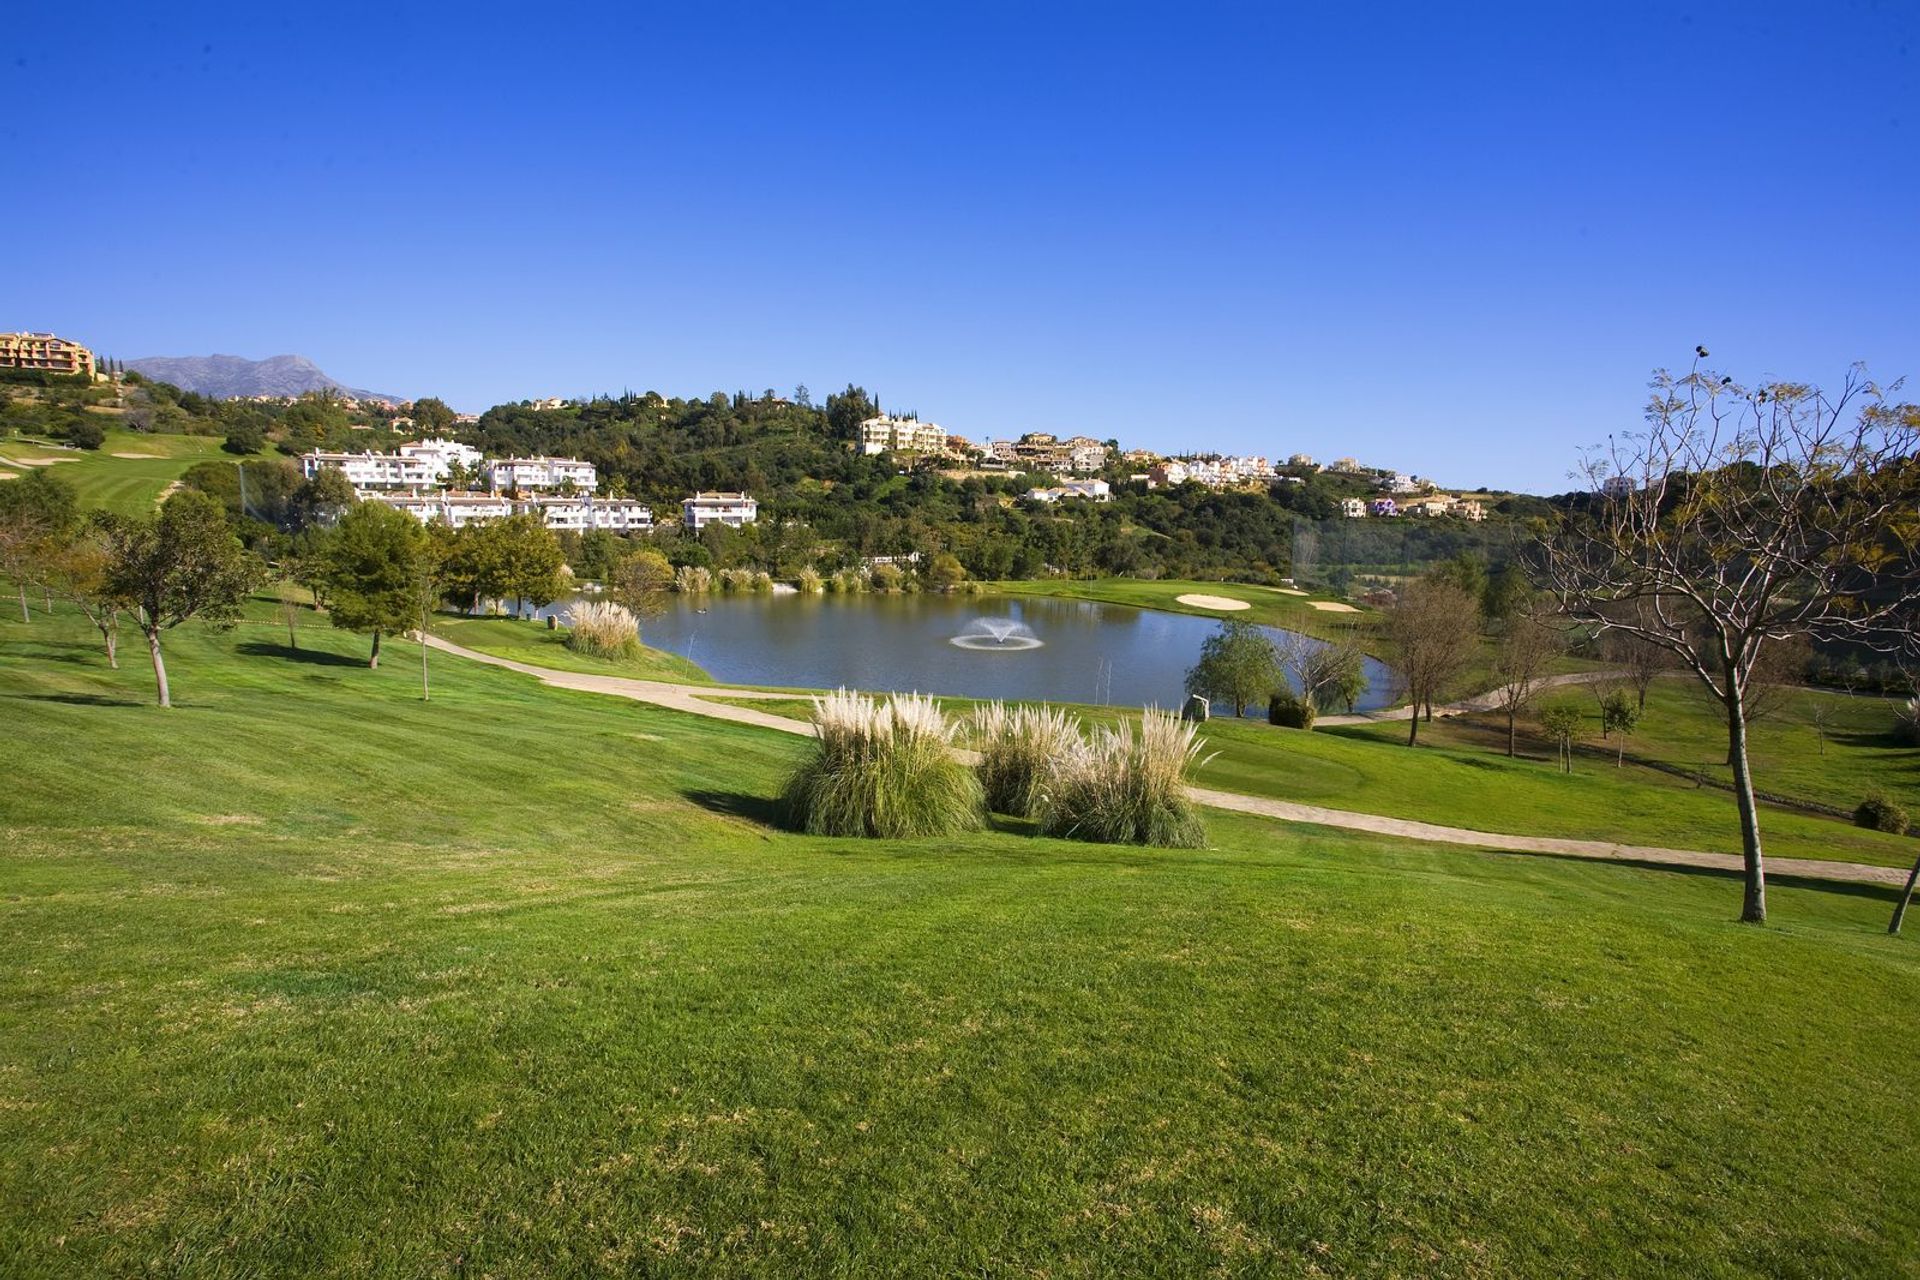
(1086, 653)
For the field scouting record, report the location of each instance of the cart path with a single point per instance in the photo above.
(695, 700)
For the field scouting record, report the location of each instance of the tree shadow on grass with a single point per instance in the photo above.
(1775, 879)
(764, 811)
(82, 699)
(319, 657)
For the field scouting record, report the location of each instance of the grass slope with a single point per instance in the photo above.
(532, 643)
(129, 485)
(308, 977)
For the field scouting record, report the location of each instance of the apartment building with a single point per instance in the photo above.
(578, 514)
(732, 509)
(899, 435)
(1617, 486)
(1092, 490)
(1353, 508)
(535, 474)
(1384, 507)
(420, 465)
(46, 353)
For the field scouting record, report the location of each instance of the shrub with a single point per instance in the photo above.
(602, 629)
(1906, 722)
(736, 579)
(1127, 787)
(693, 579)
(84, 433)
(887, 577)
(808, 580)
(848, 582)
(1289, 711)
(882, 769)
(1880, 812)
(1018, 749)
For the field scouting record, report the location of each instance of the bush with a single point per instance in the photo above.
(602, 629)
(887, 577)
(1289, 711)
(1127, 787)
(736, 579)
(1906, 722)
(848, 582)
(808, 580)
(244, 438)
(882, 769)
(693, 579)
(1019, 748)
(1880, 812)
(84, 433)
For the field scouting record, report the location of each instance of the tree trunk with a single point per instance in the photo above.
(1513, 719)
(1753, 909)
(1906, 896)
(111, 637)
(1413, 727)
(159, 666)
(24, 615)
(374, 661)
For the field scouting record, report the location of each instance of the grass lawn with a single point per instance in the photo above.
(126, 485)
(1460, 777)
(532, 643)
(309, 977)
(1268, 605)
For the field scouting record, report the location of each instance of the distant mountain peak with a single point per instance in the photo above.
(222, 376)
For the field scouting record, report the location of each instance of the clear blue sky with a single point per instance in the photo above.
(1448, 238)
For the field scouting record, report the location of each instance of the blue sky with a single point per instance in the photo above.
(1451, 242)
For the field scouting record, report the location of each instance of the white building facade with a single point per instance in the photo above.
(542, 473)
(731, 509)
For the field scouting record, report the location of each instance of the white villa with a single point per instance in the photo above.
(1353, 508)
(732, 509)
(1093, 490)
(542, 473)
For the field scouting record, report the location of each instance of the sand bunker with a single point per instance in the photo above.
(1213, 602)
(38, 462)
(139, 455)
(1333, 606)
(1290, 591)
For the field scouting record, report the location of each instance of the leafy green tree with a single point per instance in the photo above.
(245, 438)
(432, 416)
(641, 582)
(85, 432)
(321, 500)
(1619, 714)
(1239, 664)
(184, 562)
(846, 410)
(945, 572)
(371, 568)
(1563, 722)
(36, 512)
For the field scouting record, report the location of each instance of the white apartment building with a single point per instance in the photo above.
(1353, 508)
(1087, 457)
(1618, 486)
(732, 509)
(618, 515)
(1301, 460)
(378, 470)
(882, 435)
(542, 473)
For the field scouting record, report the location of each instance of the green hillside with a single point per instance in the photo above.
(128, 474)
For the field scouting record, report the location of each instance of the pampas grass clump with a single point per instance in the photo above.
(692, 579)
(882, 768)
(602, 629)
(1019, 747)
(808, 580)
(849, 582)
(1128, 786)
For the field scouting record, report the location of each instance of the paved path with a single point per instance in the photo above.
(1489, 701)
(697, 700)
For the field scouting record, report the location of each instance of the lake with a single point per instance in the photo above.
(1056, 650)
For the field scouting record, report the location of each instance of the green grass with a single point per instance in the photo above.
(532, 643)
(309, 977)
(1459, 776)
(127, 486)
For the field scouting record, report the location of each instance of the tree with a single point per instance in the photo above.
(846, 410)
(641, 582)
(321, 499)
(1562, 722)
(1325, 674)
(1639, 661)
(1432, 630)
(77, 571)
(1757, 515)
(431, 416)
(84, 432)
(36, 511)
(1523, 655)
(183, 563)
(1239, 663)
(1619, 714)
(945, 572)
(371, 567)
(244, 438)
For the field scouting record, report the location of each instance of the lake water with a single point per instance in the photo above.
(1086, 652)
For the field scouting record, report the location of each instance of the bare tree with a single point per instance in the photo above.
(1326, 673)
(1523, 655)
(1432, 630)
(1756, 515)
(1639, 661)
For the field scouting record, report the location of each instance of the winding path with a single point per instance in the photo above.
(696, 700)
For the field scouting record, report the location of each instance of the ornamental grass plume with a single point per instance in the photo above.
(692, 579)
(1128, 786)
(602, 629)
(882, 768)
(1019, 747)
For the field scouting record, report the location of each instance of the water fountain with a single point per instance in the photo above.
(997, 635)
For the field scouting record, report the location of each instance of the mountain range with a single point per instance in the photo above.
(223, 376)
